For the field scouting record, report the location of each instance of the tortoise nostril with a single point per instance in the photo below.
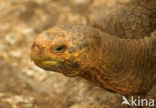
(59, 49)
(35, 46)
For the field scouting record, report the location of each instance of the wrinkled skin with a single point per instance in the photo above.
(67, 52)
(77, 50)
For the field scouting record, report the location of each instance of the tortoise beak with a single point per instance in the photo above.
(50, 63)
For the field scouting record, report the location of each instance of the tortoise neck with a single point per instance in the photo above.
(123, 66)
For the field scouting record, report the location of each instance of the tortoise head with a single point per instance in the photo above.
(67, 49)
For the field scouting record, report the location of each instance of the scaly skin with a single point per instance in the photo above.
(134, 20)
(121, 65)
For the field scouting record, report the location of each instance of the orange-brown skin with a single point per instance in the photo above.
(75, 49)
(121, 65)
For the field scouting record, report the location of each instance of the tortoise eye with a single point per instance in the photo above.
(59, 49)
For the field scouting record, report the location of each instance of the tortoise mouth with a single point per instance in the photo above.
(51, 63)
(65, 67)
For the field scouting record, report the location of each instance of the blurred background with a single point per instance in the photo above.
(24, 85)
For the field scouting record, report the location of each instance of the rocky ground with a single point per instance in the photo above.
(22, 84)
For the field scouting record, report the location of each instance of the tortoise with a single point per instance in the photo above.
(116, 52)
